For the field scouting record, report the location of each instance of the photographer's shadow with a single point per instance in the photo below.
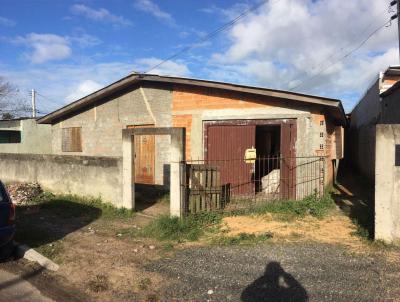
(275, 285)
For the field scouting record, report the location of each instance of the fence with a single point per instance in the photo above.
(231, 184)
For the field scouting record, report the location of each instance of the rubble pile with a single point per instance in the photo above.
(22, 193)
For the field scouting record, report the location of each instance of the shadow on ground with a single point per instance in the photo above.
(147, 196)
(355, 197)
(275, 285)
(49, 221)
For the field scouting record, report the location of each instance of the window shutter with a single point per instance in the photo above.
(71, 139)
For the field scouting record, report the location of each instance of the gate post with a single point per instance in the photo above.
(128, 184)
(177, 155)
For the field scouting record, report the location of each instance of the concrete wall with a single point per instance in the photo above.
(80, 175)
(35, 138)
(361, 141)
(391, 108)
(387, 184)
(102, 125)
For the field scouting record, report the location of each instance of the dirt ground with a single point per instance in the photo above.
(334, 229)
(103, 261)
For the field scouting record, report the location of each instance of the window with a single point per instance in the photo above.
(10, 137)
(321, 147)
(71, 139)
(321, 123)
(321, 134)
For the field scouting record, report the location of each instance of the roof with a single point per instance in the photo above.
(334, 105)
(17, 119)
(392, 71)
(392, 89)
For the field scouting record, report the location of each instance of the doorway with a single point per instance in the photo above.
(267, 165)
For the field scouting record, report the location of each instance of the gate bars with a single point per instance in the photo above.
(212, 185)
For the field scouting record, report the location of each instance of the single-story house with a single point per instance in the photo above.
(222, 121)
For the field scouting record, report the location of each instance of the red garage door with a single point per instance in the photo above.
(226, 145)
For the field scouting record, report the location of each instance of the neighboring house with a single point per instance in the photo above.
(365, 115)
(24, 135)
(374, 149)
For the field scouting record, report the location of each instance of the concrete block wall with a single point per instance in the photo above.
(102, 125)
(80, 175)
(387, 184)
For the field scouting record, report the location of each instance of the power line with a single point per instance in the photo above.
(343, 57)
(47, 98)
(211, 34)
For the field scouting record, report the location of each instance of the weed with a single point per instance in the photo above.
(168, 247)
(180, 229)
(144, 283)
(243, 239)
(99, 284)
(52, 251)
(311, 205)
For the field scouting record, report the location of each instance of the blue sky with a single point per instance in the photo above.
(67, 49)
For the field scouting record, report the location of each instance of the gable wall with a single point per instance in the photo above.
(102, 125)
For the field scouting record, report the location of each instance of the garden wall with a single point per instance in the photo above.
(80, 175)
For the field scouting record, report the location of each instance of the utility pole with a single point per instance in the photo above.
(397, 3)
(33, 103)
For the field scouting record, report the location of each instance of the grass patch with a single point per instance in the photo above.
(75, 206)
(311, 205)
(242, 239)
(181, 229)
(52, 251)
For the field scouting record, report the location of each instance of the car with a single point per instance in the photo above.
(7, 224)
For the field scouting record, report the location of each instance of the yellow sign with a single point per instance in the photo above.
(250, 156)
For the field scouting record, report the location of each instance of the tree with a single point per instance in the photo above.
(12, 104)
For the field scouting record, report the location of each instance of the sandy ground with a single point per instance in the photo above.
(334, 229)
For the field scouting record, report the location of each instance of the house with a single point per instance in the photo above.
(374, 149)
(221, 122)
(364, 116)
(24, 135)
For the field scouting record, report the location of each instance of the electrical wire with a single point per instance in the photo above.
(211, 34)
(343, 57)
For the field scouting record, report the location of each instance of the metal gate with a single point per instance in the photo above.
(206, 188)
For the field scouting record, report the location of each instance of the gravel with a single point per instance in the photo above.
(272, 272)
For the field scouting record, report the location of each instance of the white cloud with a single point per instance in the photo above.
(45, 47)
(152, 8)
(171, 68)
(83, 89)
(7, 22)
(285, 42)
(100, 14)
(58, 82)
(85, 40)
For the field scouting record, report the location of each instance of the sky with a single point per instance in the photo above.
(68, 49)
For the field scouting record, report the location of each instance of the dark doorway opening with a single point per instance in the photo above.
(268, 146)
